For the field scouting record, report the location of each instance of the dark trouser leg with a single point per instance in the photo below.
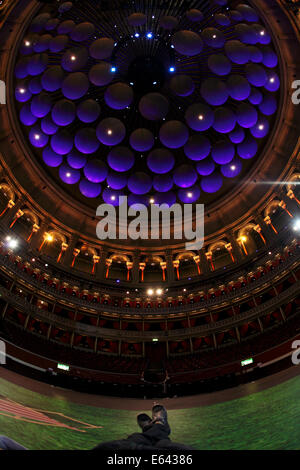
(9, 444)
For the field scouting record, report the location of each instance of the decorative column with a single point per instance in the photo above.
(9, 217)
(242, 240)
(209, 256)
(204, 263)
(9, 206)
(48, 238)
(236, 251)
(129, 266)
(170, 267)
(64, 247)
(37, 236)
(163, 266)
(258, 229)
(142, 269)
(292, 196)
(268, 221)
(176, 267)
(76, 252)
(35, 228)
(283, 206)
(108, 263)
(135, 266)
(96, 260)
(197, 261)
(19, 214)
(102, 265)
(228, 247)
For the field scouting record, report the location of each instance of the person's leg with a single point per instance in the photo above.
(9, 444)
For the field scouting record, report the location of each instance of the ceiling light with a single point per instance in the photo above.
(297, 225)
(152, 201)
(150, 292)
(190, 195)
(172, 69)
(137, 35)
(109, 132)
(113, 69)
(233, 167)
(73, 58)
(27, 43)
(68, 175)
(200, 117)
(13, 244)
(149, 35)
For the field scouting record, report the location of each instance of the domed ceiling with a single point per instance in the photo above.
(157, 101)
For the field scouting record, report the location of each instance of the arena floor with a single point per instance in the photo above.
(261, 415)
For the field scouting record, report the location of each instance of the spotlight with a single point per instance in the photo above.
(12, 243)
(27, 43)
(200, 117)
(73, 58)
(109, 132)
(233, 167)
(297, 225)
(49, 238)
(152, 201)
(244, 239)
(190, 195)
(68, 175)
(150, 292)
(137, 35)
(22, 91)
(113, 198)
(171, 69)
(113, 69)
(149, 35)
(159, 291)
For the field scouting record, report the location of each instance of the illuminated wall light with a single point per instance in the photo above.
(150, 292)
(159, 291)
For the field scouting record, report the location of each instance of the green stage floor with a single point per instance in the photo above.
(269, 419)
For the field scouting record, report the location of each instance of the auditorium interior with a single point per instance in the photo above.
(164, 102)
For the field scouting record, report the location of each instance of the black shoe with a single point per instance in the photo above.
(159, 413)
(143, 420)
